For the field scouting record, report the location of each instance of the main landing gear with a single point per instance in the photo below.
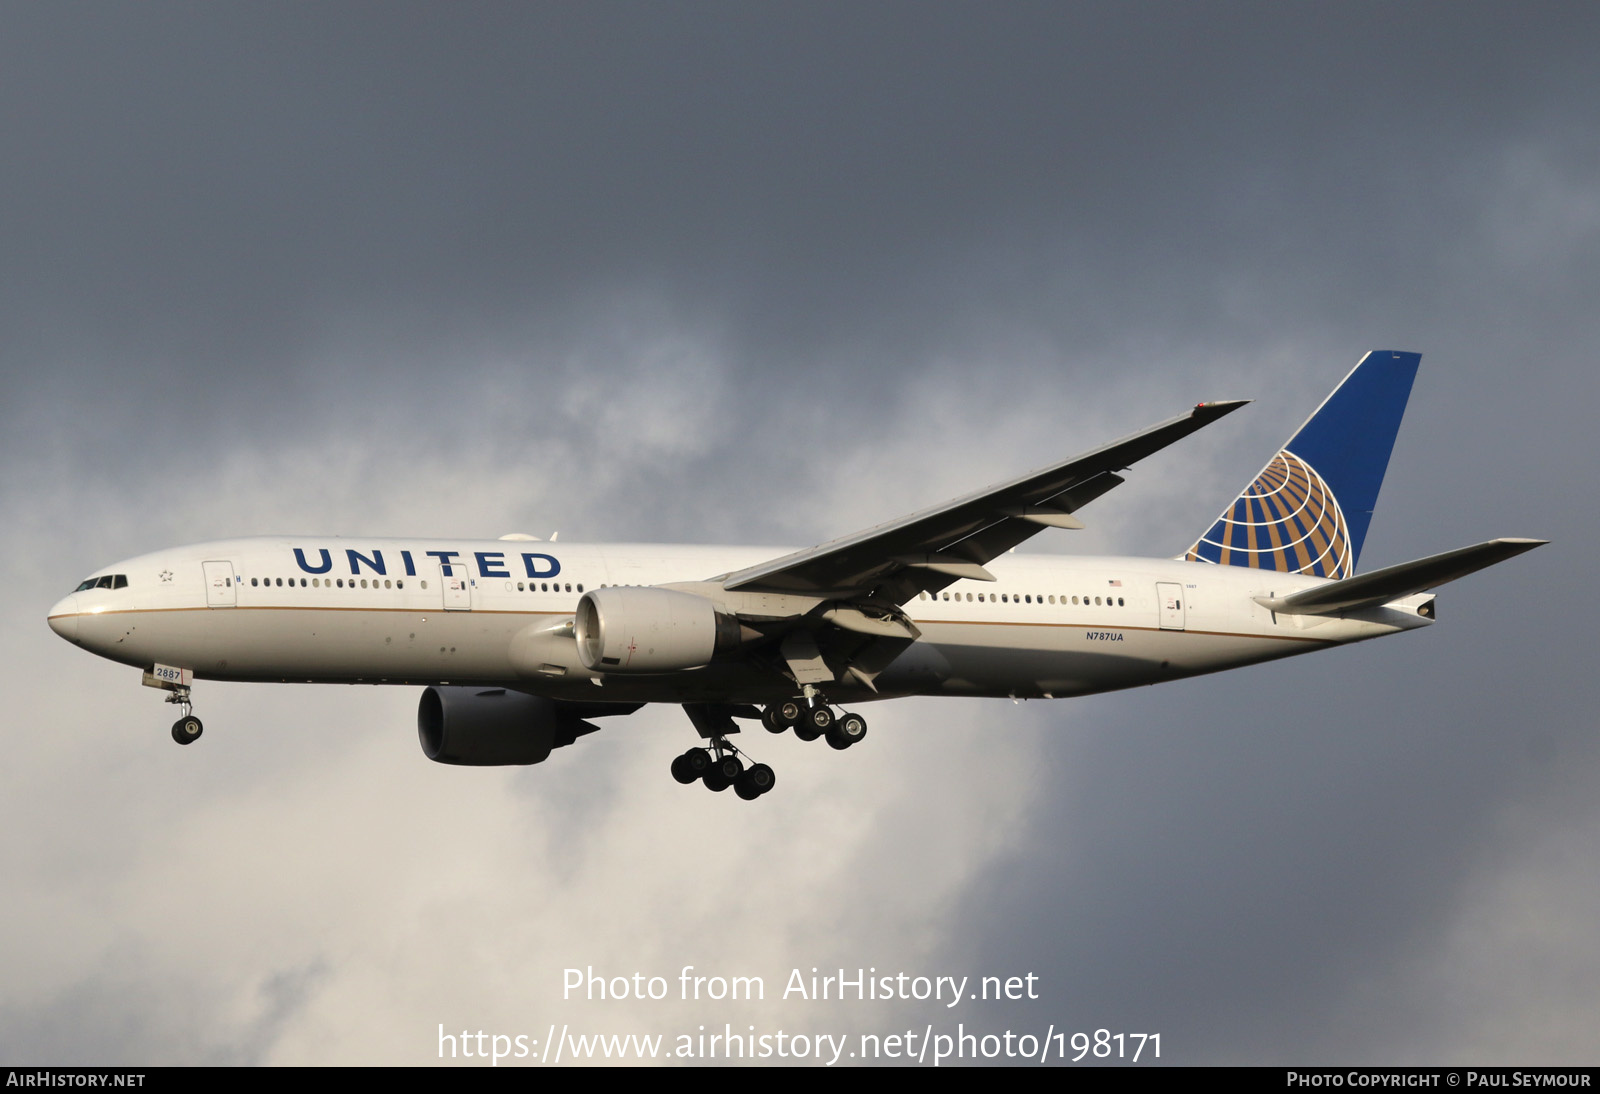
(719, 767)
(186, 730)
(812, 720)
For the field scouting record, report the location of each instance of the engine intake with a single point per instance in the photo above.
(637, 629)
(491, 727)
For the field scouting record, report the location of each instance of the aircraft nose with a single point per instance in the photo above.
(64, 618)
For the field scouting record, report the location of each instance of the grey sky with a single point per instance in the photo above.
(729, 274)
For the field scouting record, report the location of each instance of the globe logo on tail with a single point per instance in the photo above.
(1286, 520)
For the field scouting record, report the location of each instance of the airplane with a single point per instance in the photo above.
(520, 642)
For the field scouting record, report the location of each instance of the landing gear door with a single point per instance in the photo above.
(457, 587)
(1169, 594)
(219, 584)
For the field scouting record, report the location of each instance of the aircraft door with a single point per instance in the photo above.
(1169, 595)
(457, 587)
(219, 584)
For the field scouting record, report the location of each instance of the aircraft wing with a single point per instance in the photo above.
(1393, 582)
(929, 550)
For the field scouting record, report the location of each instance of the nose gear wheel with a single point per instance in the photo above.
(186, 730)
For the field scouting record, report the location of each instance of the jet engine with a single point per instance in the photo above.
(638, 629)
(488, 727)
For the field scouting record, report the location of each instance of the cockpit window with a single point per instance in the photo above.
(108, 581)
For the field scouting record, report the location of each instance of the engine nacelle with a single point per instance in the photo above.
(638, 629)
(489, 727)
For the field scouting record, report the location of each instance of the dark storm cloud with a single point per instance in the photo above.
(726, 273)
(198, 190)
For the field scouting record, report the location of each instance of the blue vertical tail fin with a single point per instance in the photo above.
(1308, 510)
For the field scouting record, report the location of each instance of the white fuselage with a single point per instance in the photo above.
(324, 610)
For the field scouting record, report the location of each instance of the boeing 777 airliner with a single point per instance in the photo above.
(519, 642)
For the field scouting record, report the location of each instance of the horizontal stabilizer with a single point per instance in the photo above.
(1393, 582)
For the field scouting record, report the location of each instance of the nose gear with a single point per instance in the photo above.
(186, 730)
